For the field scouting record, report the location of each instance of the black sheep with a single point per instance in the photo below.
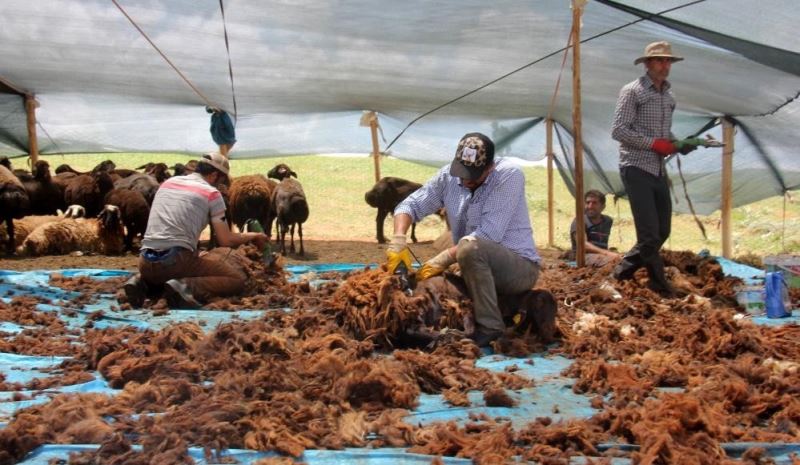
(386, 195)
(14, 203)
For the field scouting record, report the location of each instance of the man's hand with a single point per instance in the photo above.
(436, 265)
(398, 253)
(663, 147)
(688, 145)
(260, 240)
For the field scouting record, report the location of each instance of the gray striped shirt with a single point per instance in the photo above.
(182, 208)
(642, 115)
(497, 211)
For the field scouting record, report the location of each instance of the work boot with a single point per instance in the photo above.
(624, 271)
(178, 295)
(135, 291)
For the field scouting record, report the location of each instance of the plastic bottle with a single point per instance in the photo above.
(777, 295)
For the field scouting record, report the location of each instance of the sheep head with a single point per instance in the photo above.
(75, 211)
(41, 170)
(110, 219)
(280, 172)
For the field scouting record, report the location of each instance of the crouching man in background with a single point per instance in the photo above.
(598, 230)
(485, 203)
(182, 208)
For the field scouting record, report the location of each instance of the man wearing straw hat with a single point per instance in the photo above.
(643, 127)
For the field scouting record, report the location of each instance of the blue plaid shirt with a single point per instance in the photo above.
(497, 211)
(642, 115)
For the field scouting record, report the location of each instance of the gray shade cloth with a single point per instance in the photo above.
(305, 71)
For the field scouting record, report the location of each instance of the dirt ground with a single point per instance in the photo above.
(316, 252)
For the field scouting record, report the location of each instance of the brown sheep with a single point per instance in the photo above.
(280, 172)
(179, 169)
(386, 195)
(103, 234)
(134, 212)
(24, 226)
(145, 184)
(89, 190)
(250, 197)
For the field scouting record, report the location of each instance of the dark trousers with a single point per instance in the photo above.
(652, 216)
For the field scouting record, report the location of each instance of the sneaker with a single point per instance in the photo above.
(135, 291)
(482, 338)
(178, 295)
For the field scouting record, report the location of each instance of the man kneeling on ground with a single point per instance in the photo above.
(182, 208)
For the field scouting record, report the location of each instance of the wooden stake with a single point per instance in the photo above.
(376, 154)
(33, 142)
(550, 224)
(727, 187)
(580, 227)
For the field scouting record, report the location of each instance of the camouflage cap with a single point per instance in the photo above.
(474, 154)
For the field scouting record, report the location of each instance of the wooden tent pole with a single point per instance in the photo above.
(550, 223)
(33, 141)
(580, 227)
(727, 187)
(376, 154)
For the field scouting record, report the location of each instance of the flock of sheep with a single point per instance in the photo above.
(104, 210)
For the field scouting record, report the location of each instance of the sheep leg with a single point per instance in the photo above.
(10, 231)
(282, 235)
(379, 225)
(291, 238)
(129, 239)
(414, 232)
(300, 234)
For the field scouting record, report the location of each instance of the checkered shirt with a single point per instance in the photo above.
(643, 114)
(497, 211)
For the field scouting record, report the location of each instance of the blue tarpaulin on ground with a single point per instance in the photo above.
(551, 396)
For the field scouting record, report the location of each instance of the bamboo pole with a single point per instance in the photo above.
(33, 141)
(550, 200)
(376, 154)
(580, 227)
(727, 187)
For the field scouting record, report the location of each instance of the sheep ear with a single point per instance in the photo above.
(292, 173)
(142, 167)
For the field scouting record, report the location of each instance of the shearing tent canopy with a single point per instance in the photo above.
(298, 75)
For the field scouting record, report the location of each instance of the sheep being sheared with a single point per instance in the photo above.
(291, 208)
(14, 203)
(250, 197)
(386, 195)
(103, 235)
(532, 312)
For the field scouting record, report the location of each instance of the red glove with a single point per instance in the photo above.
(663, 147)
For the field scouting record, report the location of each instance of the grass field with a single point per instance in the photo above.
(335, 188)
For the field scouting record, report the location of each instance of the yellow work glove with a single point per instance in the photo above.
(398, 253)
(436, 265)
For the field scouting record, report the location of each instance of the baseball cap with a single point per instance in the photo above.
(217, 160)
(475, 152)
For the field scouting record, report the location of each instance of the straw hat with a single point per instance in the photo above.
(658, 50)
(216, 160)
